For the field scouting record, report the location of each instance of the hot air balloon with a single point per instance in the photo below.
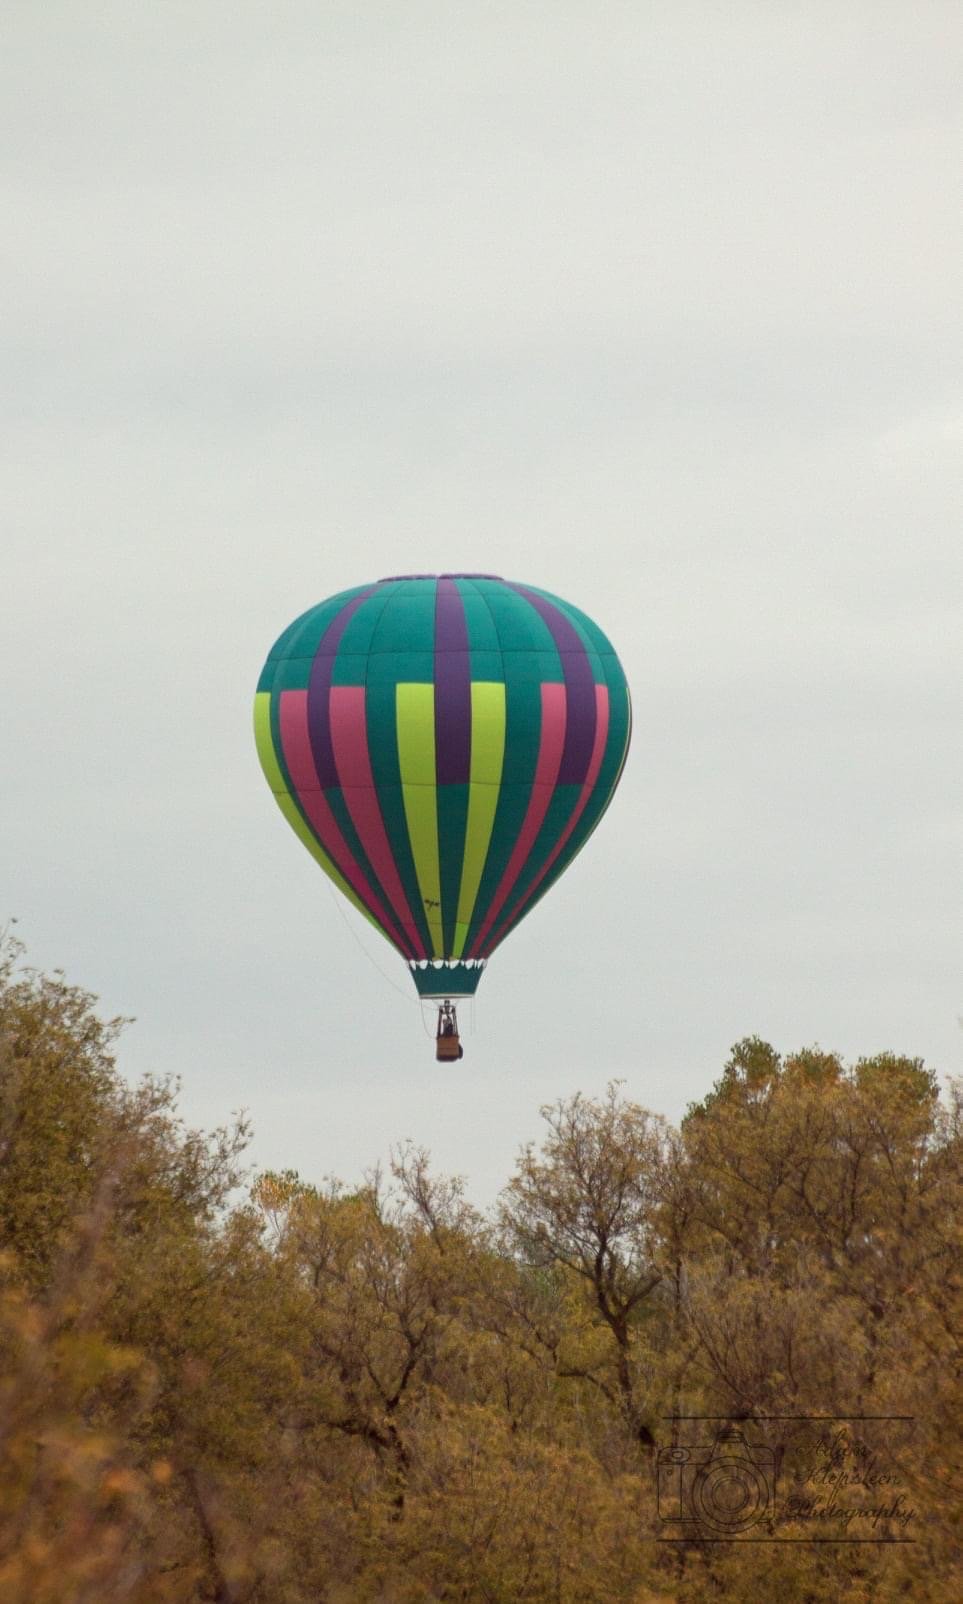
(443, 745)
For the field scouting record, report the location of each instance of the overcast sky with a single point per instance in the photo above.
(656, 306)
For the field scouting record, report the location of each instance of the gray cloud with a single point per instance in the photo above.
(653, 306)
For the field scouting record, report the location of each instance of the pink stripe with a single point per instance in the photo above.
(349, 736)
(546, 773)
(595, 764)
(296, 746)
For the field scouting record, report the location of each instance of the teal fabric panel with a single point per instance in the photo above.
(407, 623)
(380, 702)
(452, 823)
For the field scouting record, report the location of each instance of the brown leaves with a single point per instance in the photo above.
(329, 1395)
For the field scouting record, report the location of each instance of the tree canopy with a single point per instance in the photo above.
(276, 1390)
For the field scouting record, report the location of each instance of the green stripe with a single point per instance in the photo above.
(616, 749)
(297, 647)
(416, 761)
(487, 757)
(452, 802)
(408, 622)
(451, 843)
(606, 669)
(381, 709)
(268, 755)
(354, 649)
(559, 811)
(565, 797)
(287, 674)
(578, 621)
(302, 638)
(334, 796)
(529, 657)
(519, 627)
(294, 672)
(595, 639)
(349, 668)
(265, 744)
(482, 634)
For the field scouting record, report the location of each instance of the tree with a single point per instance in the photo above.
(330, 1394)
(588, 1205)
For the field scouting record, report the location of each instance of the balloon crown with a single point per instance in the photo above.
(391, 579)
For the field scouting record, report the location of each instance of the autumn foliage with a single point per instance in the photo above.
(294, 1392)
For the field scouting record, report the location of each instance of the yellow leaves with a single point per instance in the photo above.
(87, 1359)
(275, 1193)
(121, 1484)
(275, 1189)
(374, 1393)
(508, 1517)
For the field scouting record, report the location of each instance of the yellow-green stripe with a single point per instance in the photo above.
(415, 716)
(487, 756)
(290, 809)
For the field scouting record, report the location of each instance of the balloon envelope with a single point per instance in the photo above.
(443, 745)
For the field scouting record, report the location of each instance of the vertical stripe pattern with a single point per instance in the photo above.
(487, 752)
(416, 758)
(443, 746)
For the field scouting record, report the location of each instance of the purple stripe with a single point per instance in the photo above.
(396, 578)
(319, 687)
(579, 688)
(452, 687)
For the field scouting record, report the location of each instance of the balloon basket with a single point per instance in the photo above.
(447, 1045)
